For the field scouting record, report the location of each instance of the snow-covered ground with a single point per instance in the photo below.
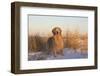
(68, 54)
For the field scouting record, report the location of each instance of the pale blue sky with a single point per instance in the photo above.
(39, 24)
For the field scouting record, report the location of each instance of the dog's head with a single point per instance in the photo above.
(56, 31)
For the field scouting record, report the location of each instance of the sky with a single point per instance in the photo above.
(43, 24)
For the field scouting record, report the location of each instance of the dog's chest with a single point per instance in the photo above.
(58, 41)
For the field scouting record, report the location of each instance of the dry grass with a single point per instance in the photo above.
(76, 40)
(36, 43)
(72, 39)
(84, 43)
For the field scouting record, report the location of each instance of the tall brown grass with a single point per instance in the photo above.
(75, 40)
(72, 39)
(36, 43)
(84, 43)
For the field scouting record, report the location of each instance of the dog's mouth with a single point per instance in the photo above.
(57, 32)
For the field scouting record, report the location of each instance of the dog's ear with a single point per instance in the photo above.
(53, 30)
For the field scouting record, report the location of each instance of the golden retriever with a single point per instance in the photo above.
(55, 43)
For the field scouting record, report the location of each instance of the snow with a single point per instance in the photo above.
(67, 54)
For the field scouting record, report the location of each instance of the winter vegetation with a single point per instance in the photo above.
(75, 46)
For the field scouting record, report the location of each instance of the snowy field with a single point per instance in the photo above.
(68, 54)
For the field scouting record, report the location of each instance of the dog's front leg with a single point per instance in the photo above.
(54, 53)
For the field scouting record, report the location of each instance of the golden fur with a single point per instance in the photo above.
(55, 42)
